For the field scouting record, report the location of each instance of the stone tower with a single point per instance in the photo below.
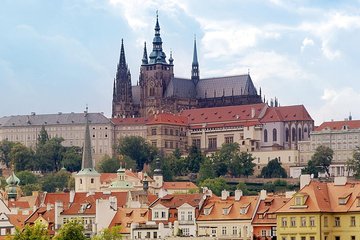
(87, 179)
(122, 105)
(155, 75)
(195, 75)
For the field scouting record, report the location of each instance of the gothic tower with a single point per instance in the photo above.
(195, 77)
(87, 179)
(122, 105)
(155, 75)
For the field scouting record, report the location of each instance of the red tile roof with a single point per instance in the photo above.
(125, 216)
(129, 121)
(176, 200)
(179, 185)
(267, 209)
(286, 113)
(51, 198)
(48, 215)
(339, 125)
(18, 220)
(18, 204)
(168, 118)
(106, 178)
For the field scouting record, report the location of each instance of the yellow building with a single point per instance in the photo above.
(321, 211)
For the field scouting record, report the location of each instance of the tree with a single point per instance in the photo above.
(242, 186)
(353, 164)
(22, 157)
(109, 165)
(242, 165)
(311, 168)
(112, 233)
(36, 232)
(43, 136)
(70, 231)
(56, 181)
(50, 154)
(216, 185)
(71, 160)
(206, 170)
(194, 159)
(273, 170)
(138, 149)
(27, 177)
(322, 158)
(5, 149)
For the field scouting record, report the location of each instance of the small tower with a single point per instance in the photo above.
(87, 179)
(145, 182)
(145, 57)
(12, 187)
(158, 176)
(195, 77)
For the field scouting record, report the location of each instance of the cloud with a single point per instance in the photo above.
(306, 43)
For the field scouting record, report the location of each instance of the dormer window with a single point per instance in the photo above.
(344, 199)
(299, 200)
(244, 210)
(207, 211)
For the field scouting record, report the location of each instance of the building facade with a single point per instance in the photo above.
(160, 91)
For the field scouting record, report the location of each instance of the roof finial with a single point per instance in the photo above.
(171, 60)
(248, 71)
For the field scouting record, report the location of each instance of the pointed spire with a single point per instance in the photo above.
(122, 61)
(195, 76)
(114, 89)
(157, 55)
(157, 25)
(171, 60)
(145, 57)
(87, 161)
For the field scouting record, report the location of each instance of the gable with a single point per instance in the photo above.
(159, 206)
(186, 206)
(4, 208)
(4, 217)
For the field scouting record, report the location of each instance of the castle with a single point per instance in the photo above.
(159, 91)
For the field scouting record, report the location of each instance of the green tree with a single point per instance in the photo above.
(194, 159)
(109, 164)
(50, 154)
(273, 170)
(311, 168)
(216, 185)
(56, 181)
(353, 164)
(27, 177)
(5, 149)
(242, 186)
(322, 158)
(43, 136)
(242, 165)
(138, 149)
(72, 159)
(109, 234)
(36, 232)
(70, 231)
(22, 157)
(206, 170)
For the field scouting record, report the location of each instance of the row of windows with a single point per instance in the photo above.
(294, 136)
(311, 222)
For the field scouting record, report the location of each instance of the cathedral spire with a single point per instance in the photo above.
(157, 55)
(195, 65)
(122, 61)
(87, 161)
(145, 57)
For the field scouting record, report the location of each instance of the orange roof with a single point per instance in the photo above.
(48, 215)
(87, 202)
(239, 113)
(168, 118)
(286, 113)
(325, 197)
(125, 216)
(51, 198)
(267, 209)
(109, 177)
(339, 125)
(18, 220)
(129, 121)
(217, 205)
(179, 185)
(19, 204)
(176, 200)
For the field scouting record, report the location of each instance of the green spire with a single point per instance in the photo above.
(87, 161)
(11, 189)
(145, 57)
(195, 77)
(157, 55)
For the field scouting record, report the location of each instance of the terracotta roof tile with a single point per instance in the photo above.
(179, 185)
(339, 125)
(286, 113)
(19, 204)
(176, 200)
(168, 118)
(266, 212)
(18, 220)
(125, 216)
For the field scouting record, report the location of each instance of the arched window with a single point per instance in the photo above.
(92, 180)
(265, 136)
(300, 134)
(293, 134)
(80, 181)
(287, 135)
(274, 135)
(152, 91)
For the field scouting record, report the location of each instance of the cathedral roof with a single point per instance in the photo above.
(181, 87)
(286, 113)
(225, 86)
(52, 119)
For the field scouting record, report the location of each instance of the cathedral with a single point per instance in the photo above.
(159, 90)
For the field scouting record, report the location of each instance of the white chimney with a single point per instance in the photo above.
(263, 194)
(304, 180)
(238, 194)
(224, 194)
(340, 181)
(48, 207)
(58, 209)
(252, 112)
(71, 196)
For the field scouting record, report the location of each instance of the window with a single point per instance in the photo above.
(154, 143)
(265, 136)
(284, 222)
(190, 218)
(287, 135)
(337, 238)
(182, 216)
(147, 234)
(80, 181)
(163, 214)
(303, 221)
(274, 135)
(337, 221)
(263, 233)
(352, 221)
(223, 230)
(185, 231)
(293, 222)
(293, 134)
(92, 180)
(312, 238)
(353, 238)
(156, 215)
(234, 230)
(171, 132)
(303, 238)
(212, 143)
(196, 142)
(166, 131)
(153, 131)
(298, 200)
(292, 238)
(229, 139)
(155, 234)
(299, 136)
(312, 221)
(152, 91)
(283, 238)
(325, 221)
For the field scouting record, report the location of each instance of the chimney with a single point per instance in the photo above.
(58, 210)
(113, 202)
(263, 194)
(48, 207)
(304, 180)
(238, 194)
(340, 181)
(224, 194)
(71, 196)
(252, 112)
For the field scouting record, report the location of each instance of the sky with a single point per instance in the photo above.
(59, 56)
